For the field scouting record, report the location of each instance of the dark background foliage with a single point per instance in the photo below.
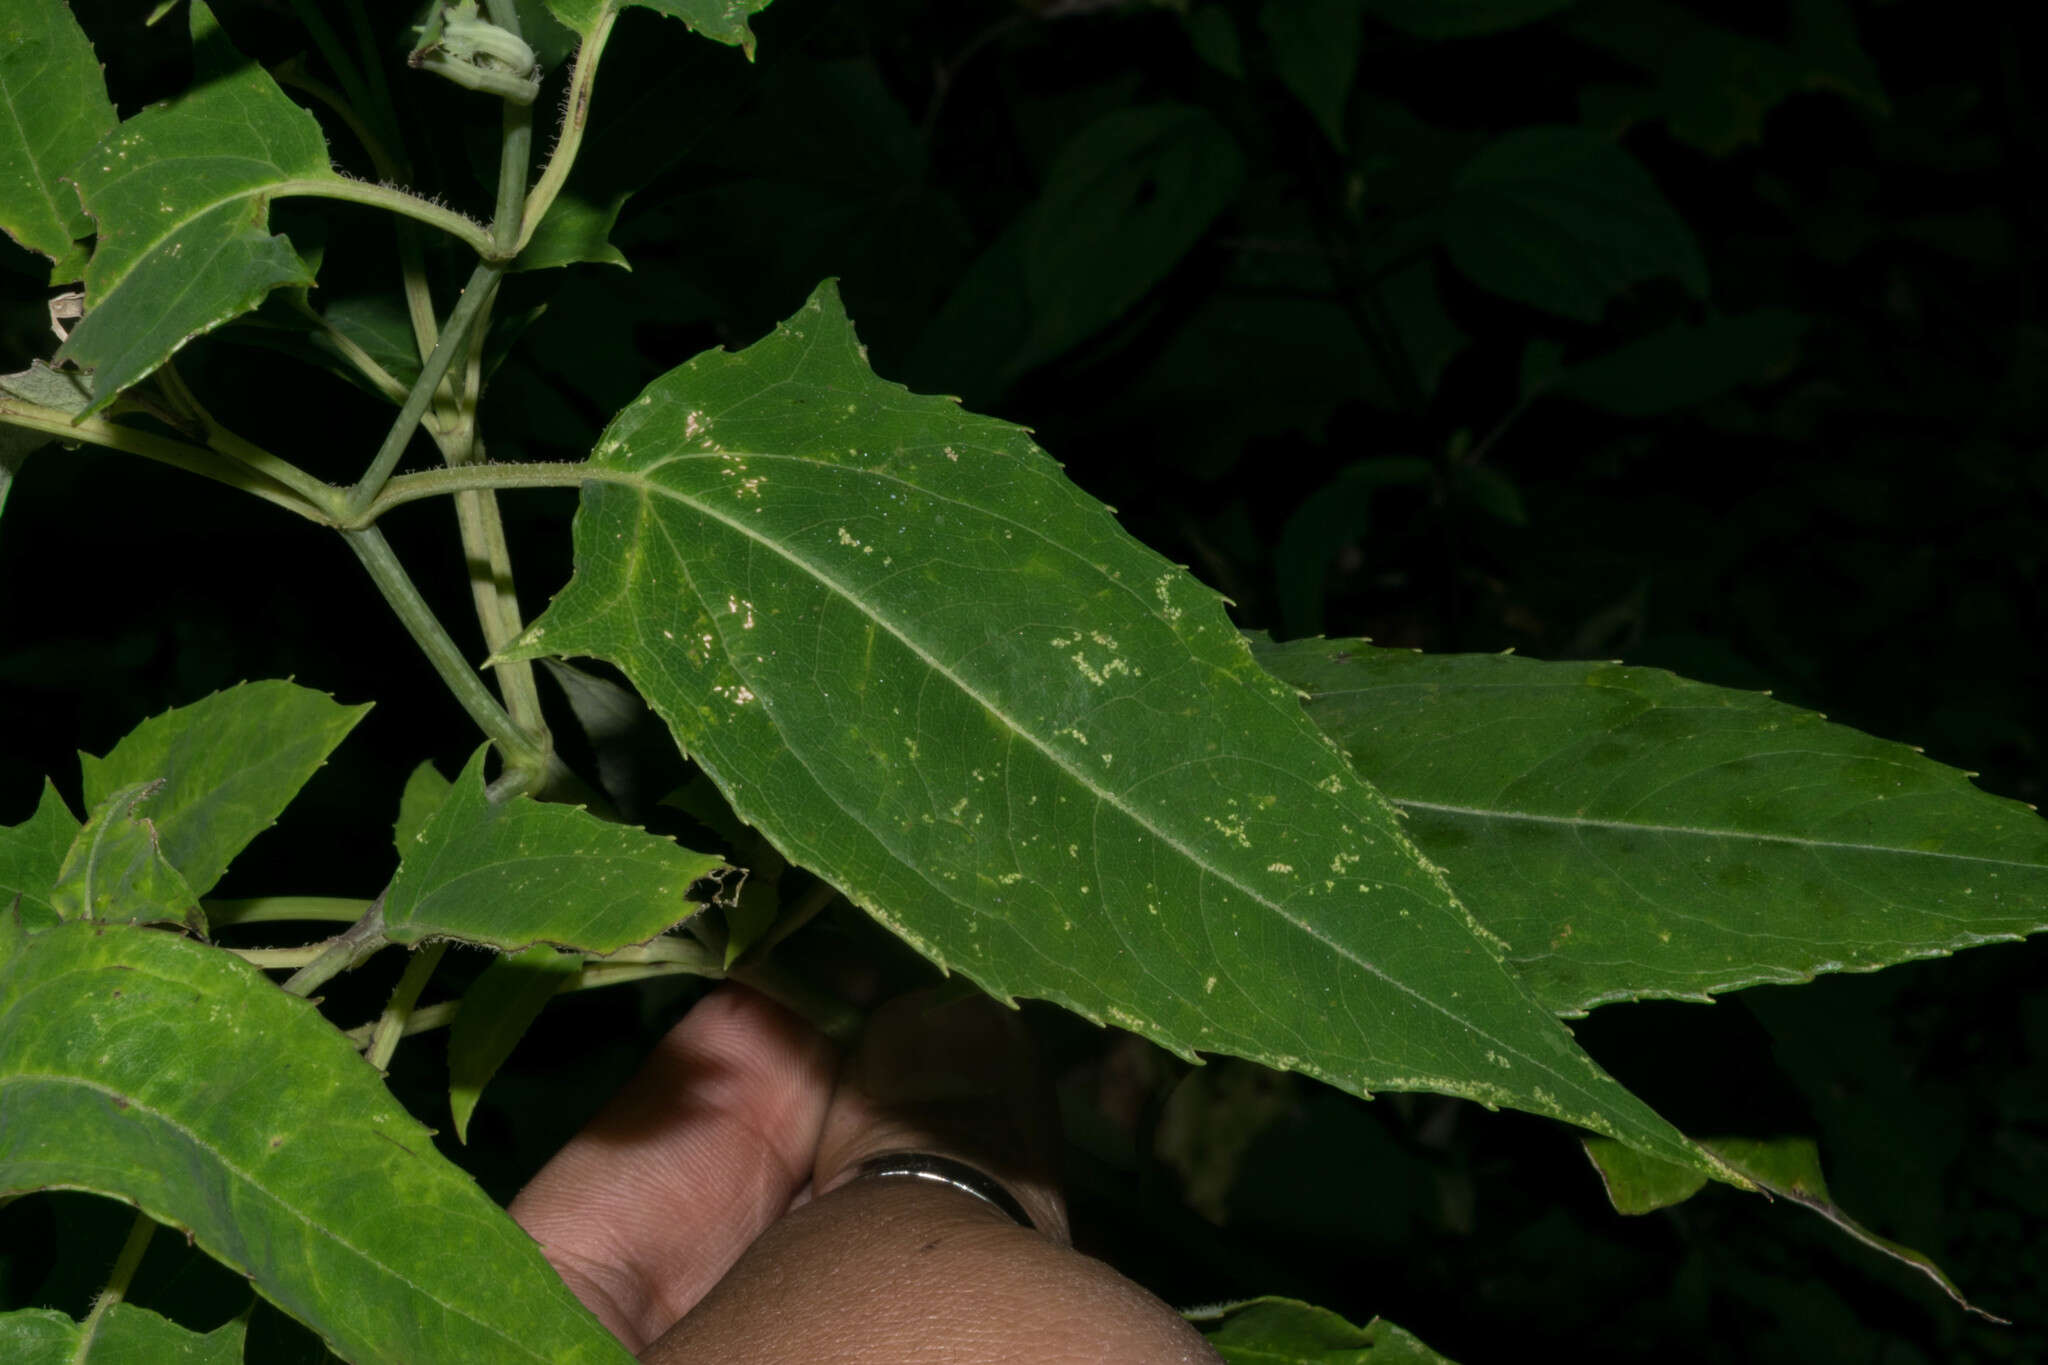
(1762, 406)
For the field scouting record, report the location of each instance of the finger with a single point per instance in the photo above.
(959, 1079)
(707, 1145)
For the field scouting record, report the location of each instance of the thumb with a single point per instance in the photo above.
(956, 1078)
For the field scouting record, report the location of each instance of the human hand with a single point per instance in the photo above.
(715, 1209)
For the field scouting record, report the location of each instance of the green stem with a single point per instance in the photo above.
(465, 229)
(434, 483)
(293, 75)
(269, 958)
(475, 295)
(352, 945)
(329, 43)
(832, 1016)
(366, 365)
(595, 976)
(192, 459)
(284, 909)
(575, 119)
(391, 1026)
(518, 748)
(318, 492)
(125, 1265)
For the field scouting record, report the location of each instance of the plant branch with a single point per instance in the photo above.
(575, 120)
(366, 365)
(316, 491)
(595, 976)
(269, 958)
(406, 994)
(284, 909)
(352, 945)
(125, 1265)
(193, 459)
(475, 295)
(434, 483)
(459, 226)
(517, 748)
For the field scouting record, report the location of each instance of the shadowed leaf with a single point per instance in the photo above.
(496, 1012)
(53, 110)
(123, 1335)
(1276, 1331)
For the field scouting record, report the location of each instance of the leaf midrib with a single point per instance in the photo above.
(1702, 832)
(638, 480)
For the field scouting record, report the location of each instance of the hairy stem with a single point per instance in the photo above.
(466, 230)
(518, 749)
(347, 948)
(125, 1264)
(476, 294)
(433, 483)
(183, 455)
(575, 119)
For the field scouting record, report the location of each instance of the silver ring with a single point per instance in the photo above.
(944, 1170)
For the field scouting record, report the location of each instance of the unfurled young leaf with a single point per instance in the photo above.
(123, 1335)
(520, 873)
(180, 194)
(53, 110)
(116, 870)
(229, 764)
(137, 1064)
(933, 671)
(1633, 834)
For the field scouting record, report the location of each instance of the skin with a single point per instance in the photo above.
(709, 1212)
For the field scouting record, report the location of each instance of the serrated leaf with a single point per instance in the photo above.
(1315, 47)
(496, 1011)
(424, 792)
(230, 763)
(123, 1335)
(1277, 1331)
(1787, 1168)
(1633, 834)
(723, 21)
(521, 873)
(32, 855)
(181, 195)
(53, 110)
(141, 1065)
(936, 673)
(1563, 220)
(1684, 365)
(115, 868)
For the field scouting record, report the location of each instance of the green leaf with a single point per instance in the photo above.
(115, 868)
(723, 21)
(1461, 18)
(1276, 1331)
(141, 1065)
(424, 792)
(574, 231)
(32, 854)
(1563, 220)
(1681, 366)
(496, 1012)
(1632, 834)
(181, 194)
(1125, 201)
(1315, 52)
(230, 764)
(1325, 521)
(1213, 36)
(1787, 1168)
(521, 873)
(936, 673)
(123, 1335)
(53, 110)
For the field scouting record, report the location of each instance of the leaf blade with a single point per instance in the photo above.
(1280, 1331)
(31, 857)
(140, 1065)
(230, 763)
(496, 1011)
(53, 110)
(1634, 835)
(522, 873)
(778, 644)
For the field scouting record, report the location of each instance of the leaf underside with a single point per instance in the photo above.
(930, 669)
(1632, 834)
